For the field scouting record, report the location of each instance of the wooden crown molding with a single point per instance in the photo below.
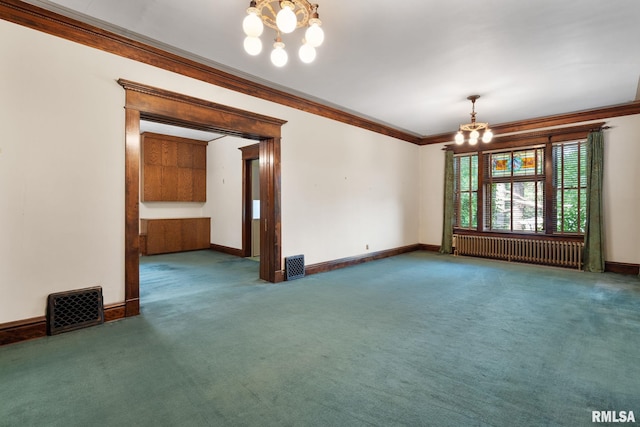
(40, 19)
(570, 133)
(548, 121)
(58, 25)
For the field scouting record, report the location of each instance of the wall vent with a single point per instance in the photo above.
(67, 311)
(294, 267)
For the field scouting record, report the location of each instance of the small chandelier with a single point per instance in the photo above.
(474, 127)
(284, 17)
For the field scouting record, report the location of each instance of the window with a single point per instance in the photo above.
(465, 188)
(514, 184)
(518, 191)
(570, 183)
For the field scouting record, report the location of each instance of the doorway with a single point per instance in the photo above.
(255, 208)
(251, 198)
(153, 104)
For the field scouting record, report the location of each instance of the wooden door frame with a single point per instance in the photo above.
(249, 154)
(158, 105)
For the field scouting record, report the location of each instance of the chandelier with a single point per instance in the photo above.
(474, 127)
(284, 17)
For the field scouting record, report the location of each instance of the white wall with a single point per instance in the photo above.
(224, 190)
(62, 173)
(621, 191)
(344, 189)
(161, 210)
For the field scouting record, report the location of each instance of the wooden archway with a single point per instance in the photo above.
(153, 104)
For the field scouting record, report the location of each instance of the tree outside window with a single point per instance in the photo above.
(513, 190)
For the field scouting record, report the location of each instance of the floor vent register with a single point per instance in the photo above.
(71, 310)
(294, 267)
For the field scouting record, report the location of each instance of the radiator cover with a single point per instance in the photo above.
(71, 310)
(294, 267)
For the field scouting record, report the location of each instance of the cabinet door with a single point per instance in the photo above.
(174, 169)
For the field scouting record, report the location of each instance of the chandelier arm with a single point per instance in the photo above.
(473, 126)
(279, 15)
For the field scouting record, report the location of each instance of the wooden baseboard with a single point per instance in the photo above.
(430, 248)
(359, 259)
(36, 327)
(114, 312)
(622, 268)
(226, 250)
(23, 330)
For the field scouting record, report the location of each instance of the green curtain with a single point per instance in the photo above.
(593, 235)
(447, 222)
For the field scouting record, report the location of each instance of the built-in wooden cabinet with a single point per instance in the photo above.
(160, 236)
(174, 169)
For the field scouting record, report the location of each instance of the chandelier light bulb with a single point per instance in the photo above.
(252, 45)
(474, 127)
(307, 53)
(252, 24)
(459, 138)
(279, 56)
(487, 136)
(314, 34)
(284, 17)
(286, 20)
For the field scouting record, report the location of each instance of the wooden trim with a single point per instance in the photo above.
(548, 121)
(114, 312)
(249, 153)
(132, 307)
(155, 104)
(71, 29)
(323, 267)
(550, 136)
(227, 250)
(36, 327)
(429, 248)
(178, 139)
(279, 276)
(270, 222)
(181, 110)
(196, 102)
(622, 268)
(23, 330)
(132, 212)
(246, 207)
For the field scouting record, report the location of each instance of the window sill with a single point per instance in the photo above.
(517, 235)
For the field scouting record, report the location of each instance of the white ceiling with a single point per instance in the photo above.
(411, 64)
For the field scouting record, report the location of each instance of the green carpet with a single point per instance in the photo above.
(417, 339)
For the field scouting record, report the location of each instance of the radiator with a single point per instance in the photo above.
(548, 252)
